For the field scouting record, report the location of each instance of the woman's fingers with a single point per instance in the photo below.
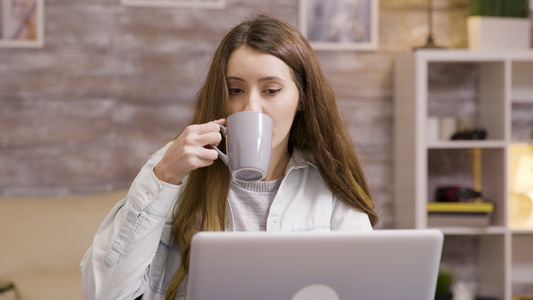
(213, 126)
(189, 151)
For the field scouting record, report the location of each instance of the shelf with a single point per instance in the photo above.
(464, 55)
(491, 90)
(492, 230)
(524, 142)
(522, 231)
(485, 144)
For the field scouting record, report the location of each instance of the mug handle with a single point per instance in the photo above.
(221, 154)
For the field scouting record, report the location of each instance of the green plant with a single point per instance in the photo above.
(444, 284)
(499, 8)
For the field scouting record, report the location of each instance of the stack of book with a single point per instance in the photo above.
(459, 214)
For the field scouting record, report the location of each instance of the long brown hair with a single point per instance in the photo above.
(317, 128)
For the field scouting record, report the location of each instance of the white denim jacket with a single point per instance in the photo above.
(133, 253)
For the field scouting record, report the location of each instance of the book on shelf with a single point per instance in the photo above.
(459, 214)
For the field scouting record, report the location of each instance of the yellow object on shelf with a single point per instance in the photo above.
(459, 214)
(460, 207)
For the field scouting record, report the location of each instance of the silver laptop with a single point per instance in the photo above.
(378, 265)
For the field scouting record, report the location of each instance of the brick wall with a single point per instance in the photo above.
(113, 83)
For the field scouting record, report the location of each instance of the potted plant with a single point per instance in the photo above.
(444, 286)
(498, 24)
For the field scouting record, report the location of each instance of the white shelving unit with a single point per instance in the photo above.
(503, 79)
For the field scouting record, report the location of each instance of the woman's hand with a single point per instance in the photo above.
(188, 152)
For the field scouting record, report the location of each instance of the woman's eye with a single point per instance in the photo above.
(272, 91)
(235, 91)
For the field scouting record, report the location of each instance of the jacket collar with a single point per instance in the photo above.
(299, 159)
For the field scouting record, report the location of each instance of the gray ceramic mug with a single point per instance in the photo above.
(249, 145)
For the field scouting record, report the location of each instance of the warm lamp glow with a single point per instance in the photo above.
(524, 176)
(521, 205)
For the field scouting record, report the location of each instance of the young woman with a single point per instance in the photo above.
(314, 181)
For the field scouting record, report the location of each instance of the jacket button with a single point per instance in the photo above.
(276, 220)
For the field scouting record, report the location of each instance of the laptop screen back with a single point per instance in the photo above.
(383, 264)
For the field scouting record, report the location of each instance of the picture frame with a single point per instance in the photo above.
(206, 4)
(340, 24)
(21, 23)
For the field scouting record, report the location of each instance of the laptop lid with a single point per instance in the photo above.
(382, 264)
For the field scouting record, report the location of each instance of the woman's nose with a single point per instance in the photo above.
(252, 103)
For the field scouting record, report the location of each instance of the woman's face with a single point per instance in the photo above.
(261, 82)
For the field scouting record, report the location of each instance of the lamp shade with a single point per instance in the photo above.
(524, 177)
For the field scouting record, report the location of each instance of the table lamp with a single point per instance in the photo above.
(521, 206)
(430, 41)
